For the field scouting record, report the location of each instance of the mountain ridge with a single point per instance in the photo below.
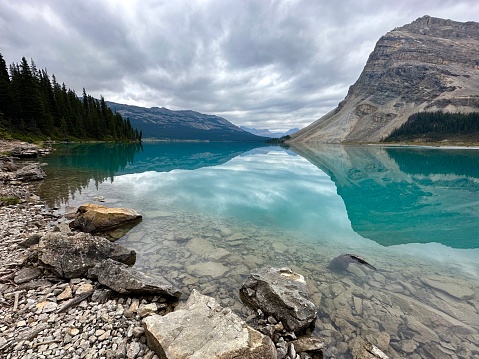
(184, 125)
(428, 65)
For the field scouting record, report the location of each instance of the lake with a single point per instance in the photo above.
(214, 212)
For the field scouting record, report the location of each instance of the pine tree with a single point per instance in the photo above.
(31, 104)
(5, 90)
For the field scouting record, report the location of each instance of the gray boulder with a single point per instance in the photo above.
(282, 294)
(7, 164)
(25, 150)
(125, 280)
(93, 218)
(31, 172)
(201, 328)
(72, 256)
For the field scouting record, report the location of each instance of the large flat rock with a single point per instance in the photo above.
(201, 329)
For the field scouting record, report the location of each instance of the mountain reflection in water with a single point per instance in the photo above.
(397, 195)
(71, 166)
(392, 195)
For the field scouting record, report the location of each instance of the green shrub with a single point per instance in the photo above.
(9, 201)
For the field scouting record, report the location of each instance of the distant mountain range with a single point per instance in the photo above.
(267, 133)
(162, 123)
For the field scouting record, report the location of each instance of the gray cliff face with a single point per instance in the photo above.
(429, 65)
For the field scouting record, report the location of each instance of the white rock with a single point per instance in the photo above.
(201, 328)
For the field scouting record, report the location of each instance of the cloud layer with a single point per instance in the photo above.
(265, 64)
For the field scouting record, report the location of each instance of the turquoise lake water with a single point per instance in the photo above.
(213, 212)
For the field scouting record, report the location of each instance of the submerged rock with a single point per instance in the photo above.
(92, 218)
(72, 256)
(342, 262)
(308, 344)
(281, 293)
(123, 279)
(455, 287)
(201, 328)
(363, 349)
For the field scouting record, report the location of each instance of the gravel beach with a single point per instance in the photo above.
(36, 322)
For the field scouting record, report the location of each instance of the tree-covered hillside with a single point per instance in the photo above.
(34, 107)
(438, 126)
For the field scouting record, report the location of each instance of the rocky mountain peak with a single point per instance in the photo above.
(444, 28)
(430, 64)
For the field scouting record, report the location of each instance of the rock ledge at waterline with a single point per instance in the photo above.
(94, 218)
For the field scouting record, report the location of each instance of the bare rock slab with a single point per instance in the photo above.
(458, 288)
(126, 280)
(93, 218)
(281, 293)
(201, 328)
(73, 256)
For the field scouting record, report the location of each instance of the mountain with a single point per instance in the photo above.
(291, 131)
(165, 124)
(267, 133)
(428, 65)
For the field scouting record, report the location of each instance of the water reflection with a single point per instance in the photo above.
(265, 187)
(405, 195)
(72, 166)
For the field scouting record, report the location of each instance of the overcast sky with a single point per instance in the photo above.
(262, 63)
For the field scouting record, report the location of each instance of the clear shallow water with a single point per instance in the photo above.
(214, 212)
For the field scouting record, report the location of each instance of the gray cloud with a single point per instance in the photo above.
(275, 64)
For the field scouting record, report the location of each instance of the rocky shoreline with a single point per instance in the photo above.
(31, 296)
(48, 313)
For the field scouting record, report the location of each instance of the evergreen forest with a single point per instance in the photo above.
(438, 126)
(35, 107)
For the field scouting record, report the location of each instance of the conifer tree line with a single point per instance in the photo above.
(33, 106)
(437, 126)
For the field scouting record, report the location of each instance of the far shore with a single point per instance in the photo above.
(441, 145)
